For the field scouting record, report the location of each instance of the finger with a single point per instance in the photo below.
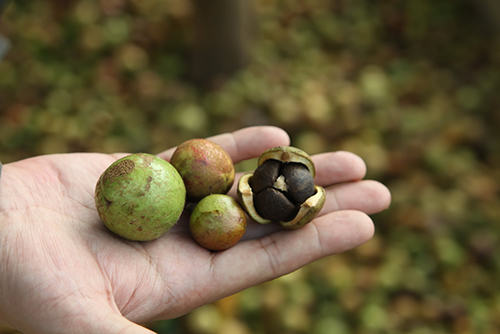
(283, 252)
(331, 168)
(367, 196)
(336, 167)
(246, 143)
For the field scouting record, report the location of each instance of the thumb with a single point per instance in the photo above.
(116, 323)
(86, 323)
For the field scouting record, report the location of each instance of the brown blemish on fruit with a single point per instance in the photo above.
(148, 183)
(121, 168)
(107, 202)
(147, 159)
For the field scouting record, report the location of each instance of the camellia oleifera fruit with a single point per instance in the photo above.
(139, 197)
(282, 188)
(205, 167)
(217, 222)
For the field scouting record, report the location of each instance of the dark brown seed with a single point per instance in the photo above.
(265, 175)
(272, 204)
(300, 182)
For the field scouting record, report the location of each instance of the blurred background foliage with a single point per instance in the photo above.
(410, 86)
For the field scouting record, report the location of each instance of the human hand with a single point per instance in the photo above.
(62, 271)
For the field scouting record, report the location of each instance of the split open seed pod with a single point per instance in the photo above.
(282, 188)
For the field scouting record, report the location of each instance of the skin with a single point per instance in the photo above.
(62, 271)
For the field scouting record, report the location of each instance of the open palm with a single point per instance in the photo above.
(62, 271)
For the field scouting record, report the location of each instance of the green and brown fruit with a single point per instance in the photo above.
(282, 188)
(140, 197)
(217, 222)
(205, 167)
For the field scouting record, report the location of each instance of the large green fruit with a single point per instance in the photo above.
(139, 197)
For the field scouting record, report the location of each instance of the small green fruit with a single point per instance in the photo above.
(205, 167)
(217, 222)
(139, 197)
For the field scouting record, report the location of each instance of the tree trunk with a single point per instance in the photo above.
(223, 31)
(490, 10)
